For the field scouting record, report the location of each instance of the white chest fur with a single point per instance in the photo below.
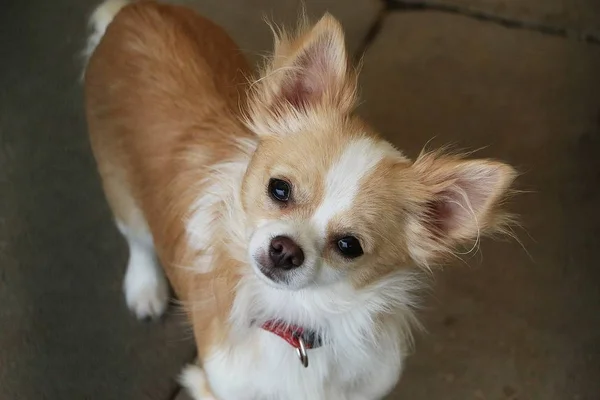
(360, 359)
(264, 367)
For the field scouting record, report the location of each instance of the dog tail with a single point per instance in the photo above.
(99, 21)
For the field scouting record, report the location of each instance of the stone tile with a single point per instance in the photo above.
(244, 19)
(519, 323)
(182, 395)
(65, 330)
(578, 15)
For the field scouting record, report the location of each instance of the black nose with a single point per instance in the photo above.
(285, 253)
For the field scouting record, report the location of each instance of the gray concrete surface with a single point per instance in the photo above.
(65, 332)
(579, 17)
(244, 20)
(518, 324)
(513, 324)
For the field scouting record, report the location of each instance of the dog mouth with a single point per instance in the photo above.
(271, 274)
(276, 277)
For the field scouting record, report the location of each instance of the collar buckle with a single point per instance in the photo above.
(300, 339)
(301, 351)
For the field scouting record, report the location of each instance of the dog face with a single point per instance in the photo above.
(327, 200)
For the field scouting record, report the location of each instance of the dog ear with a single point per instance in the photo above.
(306, 73)
(314, 68)
(457, 203)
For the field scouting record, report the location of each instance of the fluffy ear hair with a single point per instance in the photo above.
(306, 73)
(456, 204)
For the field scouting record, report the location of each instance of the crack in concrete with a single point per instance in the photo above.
(390, 6)
(371, 35)
(427, 5)
(175, 393)
(178, 389)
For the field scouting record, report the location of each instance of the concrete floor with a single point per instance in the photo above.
(521, 321)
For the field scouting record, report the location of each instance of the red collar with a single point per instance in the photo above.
(293, 333)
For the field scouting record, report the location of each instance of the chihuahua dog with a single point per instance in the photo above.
(291, 232)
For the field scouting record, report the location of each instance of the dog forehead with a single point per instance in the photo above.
(343, 180)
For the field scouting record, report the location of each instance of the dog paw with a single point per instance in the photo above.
(194, 381)
(146, 293)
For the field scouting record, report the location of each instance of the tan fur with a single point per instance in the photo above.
(268, 114)
(165, 98)
(158, 95)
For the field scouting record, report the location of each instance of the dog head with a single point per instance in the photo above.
(328, 200)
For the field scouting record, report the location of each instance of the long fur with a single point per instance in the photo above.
(187, 148)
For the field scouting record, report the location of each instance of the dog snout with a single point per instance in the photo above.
(285, 253)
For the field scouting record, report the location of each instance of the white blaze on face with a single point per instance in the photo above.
(342, 182)
(342, 185)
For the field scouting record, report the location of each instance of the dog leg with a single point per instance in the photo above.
(194, 381)
(145, 286)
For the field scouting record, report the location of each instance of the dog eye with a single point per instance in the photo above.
(279, 190)
(349, 246)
